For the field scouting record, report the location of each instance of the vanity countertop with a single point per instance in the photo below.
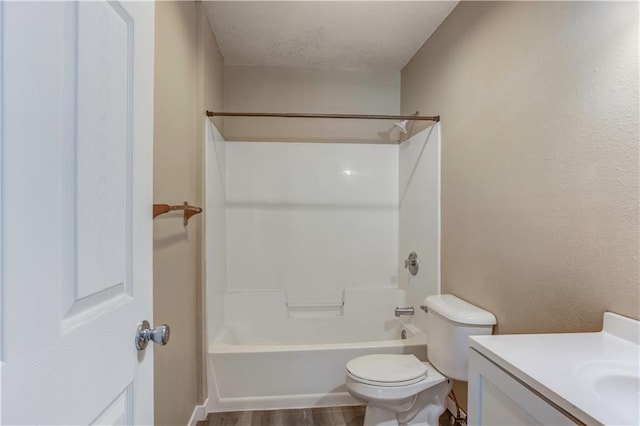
(595, 377)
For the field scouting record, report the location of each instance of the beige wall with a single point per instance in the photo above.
(539, 106)
(188, 75)
(273, 89)
(211, 97)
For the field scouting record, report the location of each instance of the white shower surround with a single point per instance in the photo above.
(311, 219)
(285, 336)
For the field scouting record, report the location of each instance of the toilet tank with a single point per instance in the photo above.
(450, 321)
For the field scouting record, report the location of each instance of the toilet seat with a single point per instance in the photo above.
(383, 392)
(386, 370)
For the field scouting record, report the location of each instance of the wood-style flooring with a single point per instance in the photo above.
(325, 416)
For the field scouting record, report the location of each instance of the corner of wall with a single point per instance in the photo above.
(188, 71)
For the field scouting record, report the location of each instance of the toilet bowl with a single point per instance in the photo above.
(401, 389)
(414, 395)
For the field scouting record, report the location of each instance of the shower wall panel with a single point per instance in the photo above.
(311, 219)
(419, 192)
(216, 228)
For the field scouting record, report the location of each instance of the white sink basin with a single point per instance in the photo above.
(621, 393)
(616, 384)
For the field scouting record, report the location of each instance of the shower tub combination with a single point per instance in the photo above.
(272, 355)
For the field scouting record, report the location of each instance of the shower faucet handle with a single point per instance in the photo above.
(412, 263)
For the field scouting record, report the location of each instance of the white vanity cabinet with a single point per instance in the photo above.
(497, 398)
(557, 379)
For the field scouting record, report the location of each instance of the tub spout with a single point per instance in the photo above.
(404, 311)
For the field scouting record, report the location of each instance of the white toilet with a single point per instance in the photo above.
(402, 390)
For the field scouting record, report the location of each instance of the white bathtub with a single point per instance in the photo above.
(297, 359)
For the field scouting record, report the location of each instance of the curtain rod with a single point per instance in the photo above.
(435, 118)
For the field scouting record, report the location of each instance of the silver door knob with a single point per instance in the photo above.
(159, 335)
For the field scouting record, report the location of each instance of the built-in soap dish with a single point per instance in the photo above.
(315, 310)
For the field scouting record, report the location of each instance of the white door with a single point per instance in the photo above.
(76, 197)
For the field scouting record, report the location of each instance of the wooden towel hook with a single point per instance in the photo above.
(188, 210)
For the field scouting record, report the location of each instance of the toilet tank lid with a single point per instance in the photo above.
(456, 309)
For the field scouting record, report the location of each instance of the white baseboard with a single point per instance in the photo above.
(199, 413)
(271, 403)
(281, 402)
(451, 406)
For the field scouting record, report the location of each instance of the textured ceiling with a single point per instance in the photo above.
(324, 34)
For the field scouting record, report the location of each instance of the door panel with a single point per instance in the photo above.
(77, 102)
(104, 93)
(119, 412)
(100, 155)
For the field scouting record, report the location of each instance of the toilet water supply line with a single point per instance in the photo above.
(458, 416)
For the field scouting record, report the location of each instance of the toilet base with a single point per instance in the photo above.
(424, 409)
(376, 416)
